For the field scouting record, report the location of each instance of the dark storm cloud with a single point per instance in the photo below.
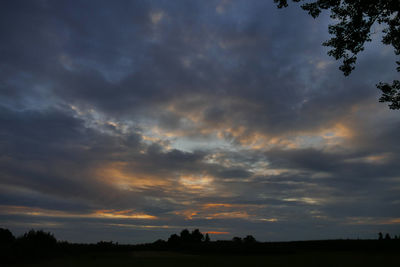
(234, 173)
(159, 77)
(22, 197)
(52, 152)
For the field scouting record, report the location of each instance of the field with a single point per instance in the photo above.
(165, 259)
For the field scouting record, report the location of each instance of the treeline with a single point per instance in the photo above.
(37, 245)
(196, 242)
(387, 236)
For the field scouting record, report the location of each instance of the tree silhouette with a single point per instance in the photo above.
(353, 28)
(237, 239)
(38, 239)
(6, 237)
(207, 238)
(197, 236)
(186, 236)
(174, 240)
(387, 236)
(249, 239)
(380, 236)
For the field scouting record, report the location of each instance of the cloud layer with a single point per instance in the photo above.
(133, 120)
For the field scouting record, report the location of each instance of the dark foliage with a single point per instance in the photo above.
(186, 238)
(34, 239)
(35, 246)
(197, 236)
(237, 239)
(249, 239)
(207, 238)
(387, 237)
(353, 28)
(390, 93)
(380, 236)
(174, 240)
(6, 238)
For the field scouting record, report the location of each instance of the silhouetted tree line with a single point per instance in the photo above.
(196, 242)
(37, 245)
(387, 236)
(31, 245)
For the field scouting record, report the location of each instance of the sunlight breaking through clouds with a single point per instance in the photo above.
(111, 214)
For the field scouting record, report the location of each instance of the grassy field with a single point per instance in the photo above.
(149, 258)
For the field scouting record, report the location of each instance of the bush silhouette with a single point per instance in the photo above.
(37, 239)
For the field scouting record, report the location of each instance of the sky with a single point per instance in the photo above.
(133, 120)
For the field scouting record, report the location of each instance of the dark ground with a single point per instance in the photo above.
(164, 258)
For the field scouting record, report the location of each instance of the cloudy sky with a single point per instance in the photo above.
(132, 120)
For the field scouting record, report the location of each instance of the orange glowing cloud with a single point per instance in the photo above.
(229, 215)
(212, 211)
(111, 214)
(32, 211)
(257, 140)
(195, 122)
(230, 206)
(122, 214)
(197, 182)
(145, 226)
(217, 233)
(118, 175)
(372, 159)
(187, 214)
